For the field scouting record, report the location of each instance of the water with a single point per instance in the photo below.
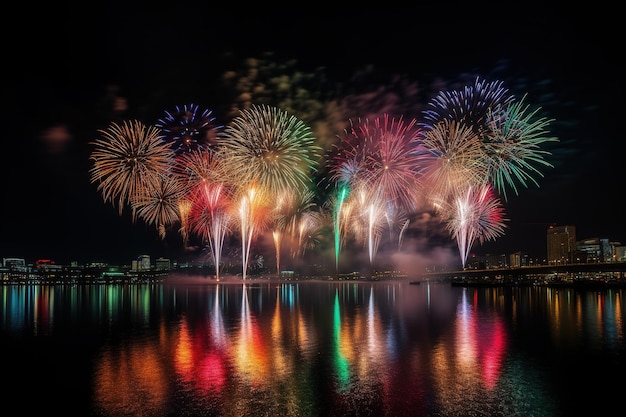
(194, 348)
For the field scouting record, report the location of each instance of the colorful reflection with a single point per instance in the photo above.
(252, 358)
(314, 348)
(340, 348)
(133, 379)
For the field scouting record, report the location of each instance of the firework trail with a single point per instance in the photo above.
(246, 213)
(253, 217)
(282, 223)
(290, 209)
(211, 217)
(336, 204)
(374, 208)
(127, 159)
(403, 228)
(184, 210)
(310, 229)
(384, 158)
(211, 199)
(474, 215)
(272, 152)
(277, 235)
(186, 128)
(396, 219)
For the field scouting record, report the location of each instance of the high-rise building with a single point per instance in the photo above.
(142, 263)
(561, 244)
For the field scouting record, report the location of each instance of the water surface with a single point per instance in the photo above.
(194, 347)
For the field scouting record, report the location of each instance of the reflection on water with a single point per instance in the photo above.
(317, 348)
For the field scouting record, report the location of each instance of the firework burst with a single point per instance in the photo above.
(475, 215)
(513, 148)
(161, 202)
(198, 168)
(381, 161)
(457, 159)
(127, 159)
(394, 158)
(469, 105)
(266, 146)
(186, 128)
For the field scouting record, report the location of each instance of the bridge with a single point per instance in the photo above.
(616, 269)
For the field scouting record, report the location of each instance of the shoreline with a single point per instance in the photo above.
(586, 284)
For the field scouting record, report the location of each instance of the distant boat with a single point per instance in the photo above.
(415, 282)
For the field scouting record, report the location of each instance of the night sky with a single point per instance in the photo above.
(70, 72)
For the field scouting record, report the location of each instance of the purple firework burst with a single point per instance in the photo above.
(187, 129)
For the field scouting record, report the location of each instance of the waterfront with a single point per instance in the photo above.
(197, 347)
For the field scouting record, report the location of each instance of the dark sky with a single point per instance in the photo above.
(65, 70)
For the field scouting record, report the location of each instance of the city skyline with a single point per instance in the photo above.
(149, 261)
(58, 213)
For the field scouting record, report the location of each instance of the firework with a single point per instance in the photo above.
(457, 159)
(198, 168)
(310, 230)
(266, 150)
(469, 105)
(266, 146)
(291, 218)
(480, 139)
(254, 217)
(160, 203)
(347, 161)
(394, 157)
(257, 173)
(127, 159)
(475, 215)
(513, 147)
(210, 218)
(507, 149)
(186, 128)
(382, 158)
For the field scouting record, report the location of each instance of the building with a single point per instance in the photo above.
(15, 263)
(619, 252)
(519, 259)
(13, 267)
(561, 242)
(162, 264)
(593, 250)
(488, 261)
(142, 263)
